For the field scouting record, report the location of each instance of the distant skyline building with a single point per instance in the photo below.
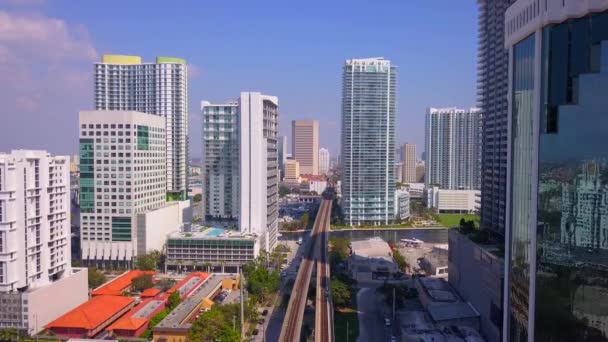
(37, 282)
(492, 89)
(453, 148)
(368, 140)
(305, 145)
(557, 186)
(252, 135)
(408, 156)
(292, 171)
(324, 158)
(160, 88)
(282, 152)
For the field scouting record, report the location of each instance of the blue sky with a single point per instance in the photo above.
(294, 50)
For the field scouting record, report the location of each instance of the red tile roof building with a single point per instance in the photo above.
(119, 285)
(187, 285)
(136, 321)
(91, 317)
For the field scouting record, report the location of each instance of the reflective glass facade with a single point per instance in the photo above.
(565, 259)
(368, 141)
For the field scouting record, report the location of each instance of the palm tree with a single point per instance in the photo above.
(207, 265)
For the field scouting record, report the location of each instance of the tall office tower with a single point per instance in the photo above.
(557, 190)
(35, 257)
(125, 83)
(368, 140)
(453, 151)
(492, 84)
(122, 174)
(305, 145)
(323, 160)
(292, 171)
(408, 154)
(282, 154)
(220, 169)
(241, 169)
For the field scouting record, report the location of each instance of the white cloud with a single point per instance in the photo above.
(46, 67)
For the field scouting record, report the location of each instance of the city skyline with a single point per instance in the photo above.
(82, 37)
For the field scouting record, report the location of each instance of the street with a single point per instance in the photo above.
(371, 316)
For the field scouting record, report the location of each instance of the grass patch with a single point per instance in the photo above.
(453, 220)
(344, 317)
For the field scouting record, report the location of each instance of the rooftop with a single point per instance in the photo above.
(186, 285)
(371, 248)
(317, 178)
(138, 316)
(438, 289)
(182, 311)
(92, 313)
(118, 285)
(151, 292)
(203, 232)
(443, 312)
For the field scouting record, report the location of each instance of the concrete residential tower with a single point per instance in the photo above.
(240, 164)
(368, 140)
(323, 160)
(125, 83)
(305, 145)
(453, 148)
(37, 282)
(408, 154)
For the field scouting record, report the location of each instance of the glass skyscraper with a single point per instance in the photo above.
(368, 141)
(492, 83)
(557, 237)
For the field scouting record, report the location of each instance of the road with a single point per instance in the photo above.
(371, 316)
(323, 306)
(292, 324)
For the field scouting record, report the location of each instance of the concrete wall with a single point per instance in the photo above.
(446, 200)
(154, 226)
(477, 275)
(48, 303)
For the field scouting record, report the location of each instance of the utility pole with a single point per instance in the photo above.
(242, 292)
(346, 331)
(393, 304)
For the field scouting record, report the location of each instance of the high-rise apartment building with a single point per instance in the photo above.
(323, 160)
(408, 156)
(305, 145)
(125, 83)
(36, 273)
(368, 140)
(282, 151)
(221, 172)
(453, 148)
(122, 174)
(492, 82)
(557, 188)
(240, 164)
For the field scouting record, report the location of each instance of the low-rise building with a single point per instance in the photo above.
(120, 284)
(292, 172)
(217, 247)
(92, 317)
(136, 321)
(452, 201)
(371, 259)
(477, 274)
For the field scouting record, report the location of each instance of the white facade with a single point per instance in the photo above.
(122, 175)
(453, 148)
(317, 186)
(246, 175)
(125, 83)
(155, 225)
(402, 204)
(34, 219)
(445, 200)
(259, 193)
(323, 160)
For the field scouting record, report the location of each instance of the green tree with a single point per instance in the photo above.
(339, 250)
(217, 325)
(304, 220)
(154, 321)
(9, 334)
(148, 262)
(400, 260)
(165, 284)
(197, 198)
(174, 300)
(96, 278)
(142, 282)
(260, 281)
(283, 190)
(340, 293)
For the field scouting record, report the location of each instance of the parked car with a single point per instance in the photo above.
(387, 322)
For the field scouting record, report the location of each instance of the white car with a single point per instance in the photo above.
(387, 322)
